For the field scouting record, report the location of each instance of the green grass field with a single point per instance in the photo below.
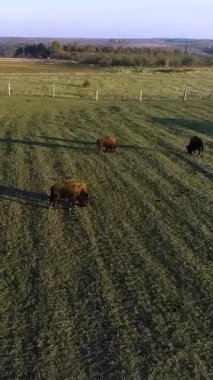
(35, 78)
(121, 289)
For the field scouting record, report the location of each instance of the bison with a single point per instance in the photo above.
(75, 191)
(195, 143)
(109, 143)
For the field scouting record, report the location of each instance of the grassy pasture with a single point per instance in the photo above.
(121, 289)
(36, 78)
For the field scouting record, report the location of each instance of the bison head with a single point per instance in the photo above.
(83, 200)
(189, 149)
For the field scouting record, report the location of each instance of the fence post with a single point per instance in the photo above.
(53, 90)
(185, 94)
(9, 89)
(96, 97)
(141, 95)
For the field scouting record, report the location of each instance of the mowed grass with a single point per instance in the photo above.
(120, 289)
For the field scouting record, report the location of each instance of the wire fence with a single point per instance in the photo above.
(66, 91)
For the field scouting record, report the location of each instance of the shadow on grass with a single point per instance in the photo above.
(85, 146)
(196, 167)
(77, 142)
(192, 161)
(24, 196)
(71, 144)
(181, 124)
(139, 148)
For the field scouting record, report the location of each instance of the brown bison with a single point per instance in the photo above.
(75, 191)
(109, 143)
(195, 143)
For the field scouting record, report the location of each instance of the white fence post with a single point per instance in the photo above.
(141, 95)
(53, 90)
(185, 95)
(96, 97)
(8, 89)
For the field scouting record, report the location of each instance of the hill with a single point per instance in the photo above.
(196, 46)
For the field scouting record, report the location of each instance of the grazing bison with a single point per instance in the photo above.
(75, 191)
(195, 143)
(109, 143)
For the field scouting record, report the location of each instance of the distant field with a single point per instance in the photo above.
(121, 289)
(36, 78)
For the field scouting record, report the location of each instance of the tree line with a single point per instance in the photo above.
(109, 55)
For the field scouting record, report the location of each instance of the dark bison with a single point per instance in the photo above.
(75, 191)
(195, 143)
(109, 143)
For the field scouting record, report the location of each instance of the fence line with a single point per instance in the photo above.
(63, 92)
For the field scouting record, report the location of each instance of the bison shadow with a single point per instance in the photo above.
(68, 140)
(71, 144)
(178, 125)
(197, 168)
(23, 196)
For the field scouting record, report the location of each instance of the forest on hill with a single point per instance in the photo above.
(112, 52)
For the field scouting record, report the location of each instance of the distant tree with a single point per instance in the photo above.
(56, 49)
(161, 61)
(42, 51)
(187, 60)
(9, 51)
(32, 51)
(19, 52)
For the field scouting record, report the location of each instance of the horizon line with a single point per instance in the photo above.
(115, 38)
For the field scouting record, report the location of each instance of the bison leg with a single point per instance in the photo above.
(53, 197)
(71, 203)
(53, 202)
(99, 145)
(109, 148)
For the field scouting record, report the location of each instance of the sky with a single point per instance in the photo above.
(107, 19)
